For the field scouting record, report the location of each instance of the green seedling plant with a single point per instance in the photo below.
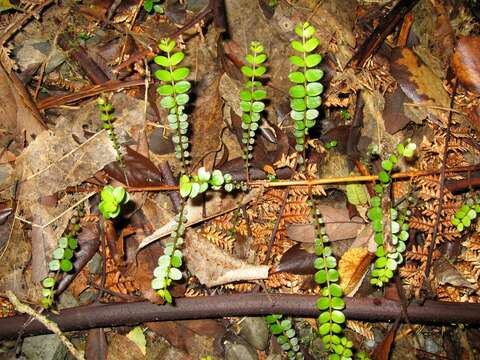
(173, 90)
(191, 186)
(286, 336)
(61, 262)
(465, 215)
(112, 200)
(389, 254)
(305, 94)
(251, 98)
(153, 6)
(331, 303)
(106, 115)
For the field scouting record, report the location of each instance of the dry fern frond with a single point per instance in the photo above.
(219, 238)
(362, 328)
(419, 253)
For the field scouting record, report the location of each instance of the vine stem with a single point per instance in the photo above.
(335, 180)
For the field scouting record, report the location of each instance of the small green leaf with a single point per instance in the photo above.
(68, 254)
(276, 329)
(298, 105)
(165, 90)
(314, 89)
(335, 290)
(356, 194)
(324, 329)
(182, 87)
(297, 91)
(58, 253)
(338, 303)
(162, 61)
(176, 58)
(258, 106)
(167, 45)
(182, 99)
(311, 114)
(311, 44)
(167, 102)
(286, 324)
(320, 276)
(313, 75)
(180, 73)
(387, 165)
(259, 71)
(63, 242)
(313, 102)
(323, 303)
(66, 265)
(296, 77)
(259, 94)
(409, 150)
(247, 71)
(54, 265)
(48, 282)
(313, 60)
(383, 177)
(338, 316)
(297, 46)
(163, 75)
(175, 274)
(297, 60)
(119, 194)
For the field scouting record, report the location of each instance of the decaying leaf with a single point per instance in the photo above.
(17, 110)
(138, 337)
(357, 194)
(213, 266)
(466, 62)
(297, 260)
(446, 273)
(67, 157)
(352, 268)
(121, 347)
(337, 222)
(216, 204)
(421, 85)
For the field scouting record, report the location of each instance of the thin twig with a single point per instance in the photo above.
(276, 226)
(442, 187)
(49, 324)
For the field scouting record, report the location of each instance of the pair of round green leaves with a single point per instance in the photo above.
(465, 215)
(197, 184)
(111, 201)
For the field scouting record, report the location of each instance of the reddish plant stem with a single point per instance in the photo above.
(203, 307)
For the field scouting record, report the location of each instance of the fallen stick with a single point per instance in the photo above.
(251, 304)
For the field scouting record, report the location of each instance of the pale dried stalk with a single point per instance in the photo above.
(50, 325)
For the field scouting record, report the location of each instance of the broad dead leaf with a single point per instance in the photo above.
(446, 273)
(466, 62)
(213, 266)
(337, 222)
(352, 267)
(216, 204)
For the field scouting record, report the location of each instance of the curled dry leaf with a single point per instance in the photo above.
(213, 266)
(446, 273)
(352, 268)
(298, 260)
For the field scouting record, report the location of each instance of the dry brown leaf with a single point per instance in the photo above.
(337, 222)
(17, 110)
(213, 266)
(466, 62)
(216, 204)
(55, 161)
(352, 267)
(421, 85)
(445, 273)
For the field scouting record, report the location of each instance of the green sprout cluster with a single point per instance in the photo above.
(169, 263)
(466, 214)
(286, 336)
(191, 186)
(106, 115)
(112, 200)
(174, 90)
(62, 258)
(153, 6)
(388, 255)
(305, 94)
(331, 303)
(251, 98)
